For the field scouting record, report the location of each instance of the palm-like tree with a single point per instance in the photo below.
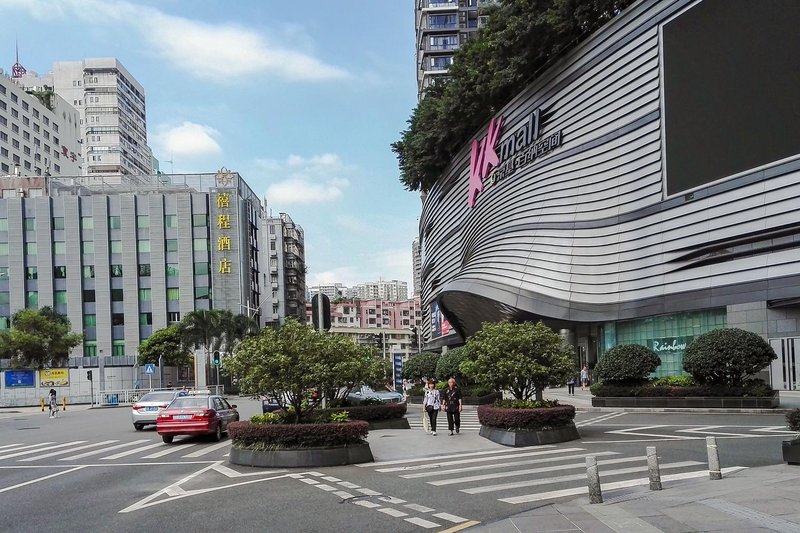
(235, 328)
(202, 328)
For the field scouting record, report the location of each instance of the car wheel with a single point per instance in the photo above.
(167, 438)
(139, 427)
(218, 432)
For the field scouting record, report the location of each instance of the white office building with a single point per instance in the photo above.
(380, 290)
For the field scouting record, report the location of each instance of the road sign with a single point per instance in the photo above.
(149, 369)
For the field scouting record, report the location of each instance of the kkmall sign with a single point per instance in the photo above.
(518, 150)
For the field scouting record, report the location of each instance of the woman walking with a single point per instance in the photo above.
(432, 403)
(584, 377)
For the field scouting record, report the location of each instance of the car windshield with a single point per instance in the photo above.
(366, 389)
(162, 397)
(184, 403)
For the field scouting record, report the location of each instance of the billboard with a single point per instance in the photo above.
(20, 378)
(439, 324)
(54, 377)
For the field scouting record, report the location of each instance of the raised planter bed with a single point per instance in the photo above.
(389, 423)
(302, 457)
(527, 427)
(791, 452)
(529, 437)
(703, 402)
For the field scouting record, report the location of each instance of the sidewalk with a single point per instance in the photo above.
(756, 499)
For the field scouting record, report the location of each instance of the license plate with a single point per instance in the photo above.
(182, 417)
(151, 409)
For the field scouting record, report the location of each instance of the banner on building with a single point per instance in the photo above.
(54, 377)
(439, 324)
(20, 378)
(398, 371)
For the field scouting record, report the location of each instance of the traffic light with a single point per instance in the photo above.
(215, 357)
(89, 375)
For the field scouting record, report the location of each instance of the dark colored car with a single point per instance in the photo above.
(359, 394)
(196, 415)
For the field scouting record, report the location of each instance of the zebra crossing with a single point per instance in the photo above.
(469, 421)
(112, 450)
(523, 475)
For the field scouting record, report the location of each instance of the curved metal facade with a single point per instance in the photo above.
(586, 233)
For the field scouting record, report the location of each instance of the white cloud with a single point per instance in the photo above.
(346, 275)
(219, 52)
(302, 192)
(188, 140)
(305, 180)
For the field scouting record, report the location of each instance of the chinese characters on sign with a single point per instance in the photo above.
(224, 223)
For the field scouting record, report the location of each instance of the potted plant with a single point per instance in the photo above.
(791, 448)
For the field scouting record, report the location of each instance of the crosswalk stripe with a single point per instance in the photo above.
(46, 448)
(62, 452)
(131, 452)
(450, 517)
(104, 450)
(10, 445)
(427, 524)
(208, 449)
(454, 455)
(541, 470)
(575, 477)
(474, 460)
(168, 450)
(504, 465)
(17, 447)
(596, 419)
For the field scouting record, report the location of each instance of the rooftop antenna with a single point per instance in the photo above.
(170, 161)
(17, 70)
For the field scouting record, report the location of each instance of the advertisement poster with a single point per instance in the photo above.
(54, 377)
(20, 378)
(439, 324)
(397, 359)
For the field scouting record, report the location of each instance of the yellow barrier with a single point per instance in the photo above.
(64, 403)
(42, 405)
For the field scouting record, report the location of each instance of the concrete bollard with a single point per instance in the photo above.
(652, 468)
(714, 471)
(593, 479)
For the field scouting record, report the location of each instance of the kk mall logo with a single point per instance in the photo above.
(520, 149)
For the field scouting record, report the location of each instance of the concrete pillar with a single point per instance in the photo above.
(593, 480)
(714, 470)
(652, 468)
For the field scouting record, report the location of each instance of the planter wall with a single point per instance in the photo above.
(529, 437)
(302, 457)
(706, 402)
(389, 423)
(791, 452)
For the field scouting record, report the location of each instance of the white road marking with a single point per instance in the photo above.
(331, 479)
(392, 512)
(29, 452)
(169, 448)
(419, 508)
(601, 418)
(427, 524)
(454, 455)
(131, 452)
(104, 450)
(450, 517)
(230, 472)
(369, 492)
(637, 431)
(37, 480)
(368, 504)
(62, 452)
(208, 449)
(24, 447)
(343, 495)
(391, 499)
(326, 488)
(12, 445)
(309, 481)
(427, 466)
(348, 485)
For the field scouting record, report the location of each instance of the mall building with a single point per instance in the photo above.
(643, 189)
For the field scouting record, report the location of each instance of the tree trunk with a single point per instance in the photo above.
(539, 394)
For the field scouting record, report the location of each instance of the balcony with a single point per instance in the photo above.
(439, 5)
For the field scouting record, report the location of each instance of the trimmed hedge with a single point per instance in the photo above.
(793, 419)
(384, 411)
(753, 388)
(544, 418)
(727, 356)
(626, 363)
(277, 436)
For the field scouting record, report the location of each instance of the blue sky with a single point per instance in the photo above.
(302, 98)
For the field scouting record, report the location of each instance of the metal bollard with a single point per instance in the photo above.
(593, 479)
(714, 471)
(64, 404)
(652, 468)
(42, 400)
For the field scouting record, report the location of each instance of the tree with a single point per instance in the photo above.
(449, 365)
(348, 365)
(202, 329)
(523, 358)
(234, 328)
(727, 356)
(626, 363)
(421, 366)
(39, 338)
(167, 344)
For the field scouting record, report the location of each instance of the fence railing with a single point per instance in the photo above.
(129, 396)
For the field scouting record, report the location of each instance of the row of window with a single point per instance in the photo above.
(114, 222)
(117, 295)
(143, 270)
(115, 246)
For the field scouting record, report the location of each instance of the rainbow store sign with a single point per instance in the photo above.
(516, 152)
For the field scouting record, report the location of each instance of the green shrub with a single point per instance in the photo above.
(341, 416)
(541, 418)
(478, 390)
(526, 404)
(441, 385)
(416, 390)
(421, 366)
(371, 401)
(626, 363)
(674, 381)
(793, 419)
(449, 365)
(383, 411)
(267, 418)
(727, 356)
(280, 436)
(751, 388)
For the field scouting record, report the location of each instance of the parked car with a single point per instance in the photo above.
(359, 394)
(196, 415)
(269, 404)
(145, 411)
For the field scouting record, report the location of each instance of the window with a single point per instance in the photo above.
(116, 271)
(30, 224)
(59, 248)
(200, 220)
(172, 269)
(5, 322)
(90, 348)
(3, 273)
(30, 248)
(172, 245)
(113, 222)
(4, 298)
(170, 221)
(87, 247)
(58, 222)
(60, 297)
(145, 319)
(200, 245)
(116, 247)
(90, 321)
(173, 294)
(117, 319)
(88, 271)
(202, 269)
(31, 273)
(145, 295)
(143, 221)
(31, 299)
(118, 348)
(202, 293)
(143, 246)
(3, 248)
(117, 295)
(88, 295)
(144, 270)
(87, 223)
(173, 317)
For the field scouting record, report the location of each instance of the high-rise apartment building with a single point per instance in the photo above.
(380, 290)
(333, 291)
(39, 135)
(416, 258)
(112, 111)
(284, 270)
(441, 27)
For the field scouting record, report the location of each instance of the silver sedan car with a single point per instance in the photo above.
(145, 411)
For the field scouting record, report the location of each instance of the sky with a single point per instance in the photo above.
(302, 98)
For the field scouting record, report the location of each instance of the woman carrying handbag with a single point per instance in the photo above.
(432, 403)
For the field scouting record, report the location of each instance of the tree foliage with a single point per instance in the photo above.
(521, 37)
(449, 365)
(39, 338)
(523, 358)
(166, 343)
(626, 363)
(421, 366)
(215, 329)
(727, 356)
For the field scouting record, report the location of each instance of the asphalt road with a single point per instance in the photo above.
(89, 470)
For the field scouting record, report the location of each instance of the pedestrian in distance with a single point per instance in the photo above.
(51, 397)
(432, 403)
(584, 377)
(453, 402)
(571, 385)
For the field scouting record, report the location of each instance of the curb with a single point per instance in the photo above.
(695, 410)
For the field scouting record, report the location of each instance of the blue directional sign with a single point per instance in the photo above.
(149, 369)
